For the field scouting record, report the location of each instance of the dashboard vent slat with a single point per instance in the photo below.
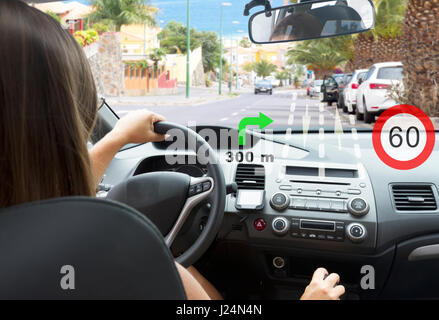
(414, 198)
(250, 176)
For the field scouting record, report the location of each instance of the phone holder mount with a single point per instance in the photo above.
(256, 3)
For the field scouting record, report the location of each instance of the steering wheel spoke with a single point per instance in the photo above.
(199, 190)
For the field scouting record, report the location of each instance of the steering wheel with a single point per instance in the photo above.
(167, 198)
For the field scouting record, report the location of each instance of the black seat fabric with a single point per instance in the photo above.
(115, 252)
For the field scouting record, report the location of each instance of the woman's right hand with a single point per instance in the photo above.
(323, 287)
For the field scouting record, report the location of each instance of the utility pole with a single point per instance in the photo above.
(237, 64)
(223, 4)
(221, 53)
(231, 63)
(188, 50)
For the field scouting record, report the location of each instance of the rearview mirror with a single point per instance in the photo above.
(312, 20)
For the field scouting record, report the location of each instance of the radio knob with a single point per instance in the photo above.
(280, 226)
(280, 201)
(356, 232)
(358, 207)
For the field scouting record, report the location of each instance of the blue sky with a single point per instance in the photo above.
(204, 13)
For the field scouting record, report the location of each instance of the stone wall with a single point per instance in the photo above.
(105, 58)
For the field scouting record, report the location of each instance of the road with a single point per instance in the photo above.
(287, 108)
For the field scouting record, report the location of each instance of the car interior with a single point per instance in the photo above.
(255, 219)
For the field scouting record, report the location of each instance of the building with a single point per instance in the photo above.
(66, 11)
(138, 40)
(274, 53)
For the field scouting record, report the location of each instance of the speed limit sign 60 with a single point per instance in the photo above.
(403, 137)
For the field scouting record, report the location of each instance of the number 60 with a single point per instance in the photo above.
(396, 136)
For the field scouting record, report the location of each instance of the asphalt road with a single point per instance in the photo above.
(287, 108)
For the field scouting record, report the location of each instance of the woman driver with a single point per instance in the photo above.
(48, 107)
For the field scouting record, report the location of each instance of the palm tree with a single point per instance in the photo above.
(364, 50)
(264, 68)
(122, 12)
(283, 75)
(421, 55)
(157, 55)
(383, 43)
(322, 56)
(389, 18)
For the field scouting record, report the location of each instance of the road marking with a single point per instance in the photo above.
(354, 134)
(234, 114)
(291, 119)
(293, 107)
(352, 119)
(224, 119)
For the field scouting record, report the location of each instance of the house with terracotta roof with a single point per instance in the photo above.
(66, 11)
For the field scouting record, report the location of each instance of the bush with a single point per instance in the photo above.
(100, 28)
(86, 38)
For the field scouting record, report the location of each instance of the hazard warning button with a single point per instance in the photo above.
(259, 224)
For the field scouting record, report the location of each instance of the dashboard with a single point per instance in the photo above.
(340, 206)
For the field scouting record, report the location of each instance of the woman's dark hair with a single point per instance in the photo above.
(48, 106)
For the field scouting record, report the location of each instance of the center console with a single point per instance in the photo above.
(308, 206)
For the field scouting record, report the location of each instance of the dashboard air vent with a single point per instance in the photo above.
(414, 197)
(250, 176)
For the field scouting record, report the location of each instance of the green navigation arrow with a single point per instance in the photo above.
(262, 121)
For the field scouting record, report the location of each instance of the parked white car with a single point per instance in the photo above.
(350, 91)
(372, 95)
(315, 88)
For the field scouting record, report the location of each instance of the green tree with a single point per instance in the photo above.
(156, 55)
(211, 49)
(248, 67)
(264, 68)
(245, 43)
(173, 39)
(122, 12)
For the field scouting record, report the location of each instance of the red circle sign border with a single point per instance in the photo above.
(429, 146)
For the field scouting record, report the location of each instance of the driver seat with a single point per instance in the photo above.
(83, 248)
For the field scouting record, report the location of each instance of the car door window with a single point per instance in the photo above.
(330, 82)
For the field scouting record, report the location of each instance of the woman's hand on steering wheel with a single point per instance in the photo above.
(138, 127)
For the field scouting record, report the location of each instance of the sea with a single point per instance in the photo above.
(205, 14)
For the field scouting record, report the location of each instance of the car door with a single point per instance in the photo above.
(362, 82)
(329, 88)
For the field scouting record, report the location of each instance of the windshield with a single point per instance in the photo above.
(148, 65)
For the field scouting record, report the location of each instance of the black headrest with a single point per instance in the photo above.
(102, 249)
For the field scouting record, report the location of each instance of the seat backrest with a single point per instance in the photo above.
(83, 248)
